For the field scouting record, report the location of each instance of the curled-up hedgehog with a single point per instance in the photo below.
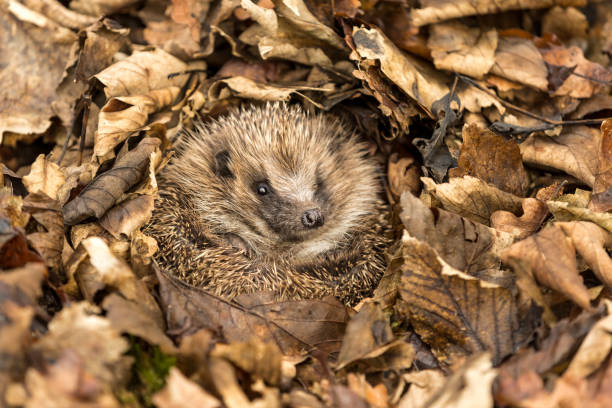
(272, 199)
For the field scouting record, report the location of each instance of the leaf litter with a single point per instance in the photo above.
(490, 120)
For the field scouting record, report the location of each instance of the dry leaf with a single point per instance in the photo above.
(472, 198)
(492, 159)
(33, 55)
(101, 7)
(292, 325)
(420, 81)
(574, 152)
(122, 116)
(602, 186)
(566, 23)
(534, 214)
(44, 177)
(104, 191)
(443, 311)
(262, 360)
(128, 216)
(101, 41)
(181, 392)
(551, 258)
(518, 59)
(141, 73)
(456, 47)
(96, 343)
(49, 240)
(573, 207)
(463, 244)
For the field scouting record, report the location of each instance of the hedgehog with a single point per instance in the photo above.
(272, 198)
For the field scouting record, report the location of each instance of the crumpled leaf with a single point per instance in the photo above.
(128, 216)
(122, 116)
(44, 177)
(519, 377)
(92, 338)
(534, 213)
(468, 387)
(551, 257)
(518, 59)
(423, 385)
(576, 86)
(433, 11)
(492, 159)
(104, 191)
(100, 43)
(403, 174)
(574, 152)
(573, 207)
(465, 245)
(368, 335)
(421, 82)
(601, 199)
(33, 63)
(456, 47)
(590, 241)
(442, 311)
(293, 325)
(249, 89)
(65, 383)
(101, 7)
(182, 392)
(141, 73)
(14, 250)
(472, 198)
(290, 31)
(262, 360)
(48, 240)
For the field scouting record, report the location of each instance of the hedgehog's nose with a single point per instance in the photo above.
(312, 218)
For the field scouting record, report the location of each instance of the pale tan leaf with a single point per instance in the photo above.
(420, 81)
(573, 207)
(518, 59)
(181, 392)
(44, 177)
(128, 216)
(472, 198)
(456, 47)
(534, 213)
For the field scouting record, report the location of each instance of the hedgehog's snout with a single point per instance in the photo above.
(312, 218)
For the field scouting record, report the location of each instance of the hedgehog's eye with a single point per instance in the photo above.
(262, 189)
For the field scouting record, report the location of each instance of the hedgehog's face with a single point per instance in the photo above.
(281, 203)
(276, 181)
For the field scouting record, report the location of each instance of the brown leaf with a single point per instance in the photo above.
(293, 325)
(454, 313)
(128, 216)
(14, 250)
(518, 59)
(423, 386)
(590, 240)
(100, 43)
(469, 387)
(33, 63)
(261, 360)
(433, 11)
(472, 198)
(122, 116)
(534, 213)
(463, 244)
(104, 191)
(576, 86)
(403, 174)
(551, 258)
(519, 377)
(566, 23)
(573, 207)
(66, 383)
(602, 187)
(131, 317)
(418, 80)
(290, 31)
(574, 152)
(492, 159)
(44, 177)
(141, 73)
(347, 8)
(49, 240)
(456, 47)
(179, 392)
(368, 335)
(101, 7)
(92, 337)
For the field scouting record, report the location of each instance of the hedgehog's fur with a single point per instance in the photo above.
(217, 232)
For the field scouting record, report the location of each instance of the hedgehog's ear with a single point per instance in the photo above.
(221, 166)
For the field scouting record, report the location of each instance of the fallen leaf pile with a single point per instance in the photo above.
(489, 118)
